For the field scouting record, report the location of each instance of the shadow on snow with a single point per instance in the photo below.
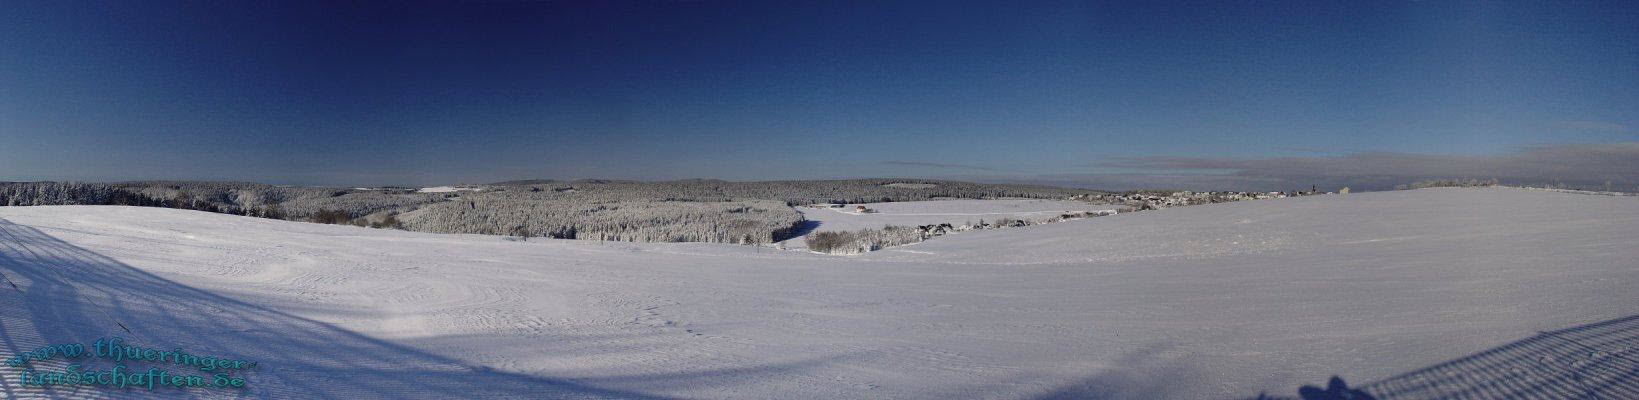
(1594, 361)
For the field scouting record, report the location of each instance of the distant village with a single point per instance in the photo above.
(1155, 200)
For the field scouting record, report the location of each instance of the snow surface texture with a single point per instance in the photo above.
(1213, 301)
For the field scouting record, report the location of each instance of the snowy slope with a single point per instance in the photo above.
(1216, 301)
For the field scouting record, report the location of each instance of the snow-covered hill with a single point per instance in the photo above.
(1216, 301)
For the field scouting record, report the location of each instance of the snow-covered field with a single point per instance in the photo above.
(445, 189)
(1214, 301)
(914, 213)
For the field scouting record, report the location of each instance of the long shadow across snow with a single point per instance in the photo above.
(53, 292)
(1593, 361)
(1598, 361)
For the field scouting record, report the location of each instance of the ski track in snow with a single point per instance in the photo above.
(1213, 301)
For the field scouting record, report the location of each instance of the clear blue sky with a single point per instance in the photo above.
(424, 93)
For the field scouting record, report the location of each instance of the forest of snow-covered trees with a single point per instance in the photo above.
(798, 192)
(675, 211)
(253, 199)
(521, 214)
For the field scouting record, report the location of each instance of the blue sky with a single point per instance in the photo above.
(1075, 93)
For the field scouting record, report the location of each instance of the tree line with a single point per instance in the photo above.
(696, 210)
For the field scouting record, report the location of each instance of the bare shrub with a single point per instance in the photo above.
(832, 242)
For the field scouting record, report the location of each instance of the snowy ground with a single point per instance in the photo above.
(1214, 301)
(916, 213)
(445, 189)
